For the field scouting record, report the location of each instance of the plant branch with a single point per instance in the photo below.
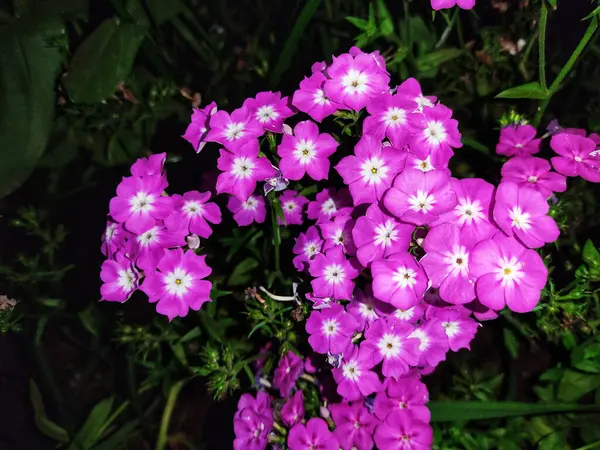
(163, 434)
(542, 45)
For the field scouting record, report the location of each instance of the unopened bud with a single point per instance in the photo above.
(193, 241)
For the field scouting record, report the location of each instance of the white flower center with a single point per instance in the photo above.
(578, 159)
(452, 328)
(141, 202)
(242, 167)
(532, 179)
(305, 151)
(330, 327)
(373, 170)
(334, 274)
(367, 311)
(421, 202)
(520, 219)
(435, 133)
(311, 249)
(355, 82)
(422, 101)
(385, 234)
(389, 345)
(126, 280)
(266, 113)
(394, 116)
(351, 371)
(148, 237)
(509, 272)
(328, 207)
(405, 314)
(193, 208)
(234, 131)
(320, 98)
(110, 232)
(469, 211)
(405, 277)
(458, 260)
(424, 165)
(250, 205)
(290, 205)
(421, 336)
(338, 237)
(178, 282)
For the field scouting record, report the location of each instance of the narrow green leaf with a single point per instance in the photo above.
(595, 12)
(45, 425)
(119, 438)
(591, 255)
(91, 431)
(89, 319)
(386, 24)
(475, 145)
(240, 275)
(291, 44)
(552, 3)
(435, 59)
(162, 11)
(359, 23)
(511, 343)
(529, 90)
(575, 385)
(192, 334)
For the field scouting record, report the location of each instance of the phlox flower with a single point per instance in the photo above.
(149, 244)
(460, 328)
(235, 130)
(354, 81)
(269, 110)
(315, 435)
(472, 212)
(260, 405)
(152, 165)
(420, 197)
(319, 302)
(444, 4)
(333, 274)
(119, 277)
(447, 264)
(192, 212)
(435, 133)
(338, 232)
(329, 204)
(292, 205)
(178, 283)
(139, 203)
(507, 274)
(377, 236)
(330, 329)
(306, 151)
(577, 155)
(354, 425)
(412, 161)
(518, 140)
(354, 376)
(287, 372)
(311, 98)
(306, 247)
(389, 118)
(197, 130)
(366, 309)
(412, 89)
(389, 340)
(248, 211)
(433, 342)
(375, 55)
(412, 314)
(113, 238)
(534, 173)
(242, 169)
(370, 171)
(251, 432)
(522, 211)
(406, 393)
(401, 431)
(293, 410)
(399, 280)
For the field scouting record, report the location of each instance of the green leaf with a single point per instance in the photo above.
(30, 61)
(475, 145)
(420, 35)
(120, 437)
(103, 60)
(291, 44)
(554, 441)
(240, 275)
(386, 24)
(575, 385)
(89, 319)
(162, 11)
(435, 59)
(511, 343)
(595, 12)
(192, 334)
(591, 255)
(552, 3)
(529, 90)
(45, 425)
(456, 411)
(359, 23)
(91, 431)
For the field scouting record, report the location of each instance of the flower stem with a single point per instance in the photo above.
(542, 45)
(279, 298)
(163, 436)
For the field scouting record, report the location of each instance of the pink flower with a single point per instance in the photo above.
(333, 274)
(378, 236)
(242, 169)
(420, 197)
(354, 377)
(261, 405)
(178, 283)
(435, 133)
(287, 372)
(389, 340)
(401, 431)
(522, 211)
(315, 435)
(472, 212)
(119, 277)
(447, 264)
(293, 410)
(311, 98)
(192, 212)
(365, 308)
(152, 165)
(235, 130)
(306, 247)
(412, 314)
(434, 342)
(306, 151)
(355, 80)
(369, 173)
(251, 429)
(389, 118)
(403, 394)
(399, 280)
(460, 328)
(338, 232)
(197, 130)
(354, 426)
(412, 89)
(577, 156)
(148, 247)
(507, 274)
(518, 140)
(534, 173)
(113, 239)
(269, 110)
(139, 203)
(248, 211)
(292, 205)
(330, 329)
(329, 204)
(412, 161)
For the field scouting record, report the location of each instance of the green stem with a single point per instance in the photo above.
(589, 33)
(590, 446)
(163, 435)
(542, 45)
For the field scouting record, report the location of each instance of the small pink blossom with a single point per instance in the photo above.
(577, 156)
(197, 130)
(192, 212)
(406, 393)
(119, 277)
(435, 133)
(399, 280)
(338, 232)
(148, 247)
(235, 130)
(292, 205)
(460, 328)
(434, 342)
(329, 204)
(306, 247)
(366, 309)
(269, 110)
(248, 211)
(293, 410)
(354, 426)
(354, 376)
(287, 372)
(311, 98)
(389, 118)
(333, 274)
(412, 89)
(534, 173)
(401, 431)
(114, 238)
(518, 140)
(330, 329)
(152, 165)
(315, 435)
(412, 314)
